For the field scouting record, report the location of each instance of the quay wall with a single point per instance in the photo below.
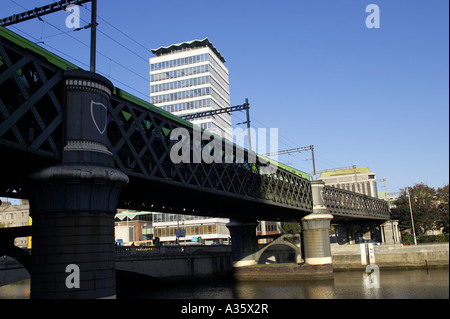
(11, 271)
(169, 264)
(348, 257)
(290, 271)
(182, 263)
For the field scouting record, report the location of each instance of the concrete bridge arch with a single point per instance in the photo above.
(279, 241)
(7, 247)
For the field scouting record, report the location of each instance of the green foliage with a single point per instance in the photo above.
(443, 196)
(425, 239)
(441, 238)
(408, 240)
(429, 206)
(290, 228)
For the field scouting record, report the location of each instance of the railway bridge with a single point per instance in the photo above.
(78, 147)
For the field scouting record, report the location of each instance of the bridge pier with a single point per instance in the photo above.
(316, 239)
(73, 204)
(345, 234)
(315, 226)
(244, 242)
(390, 232)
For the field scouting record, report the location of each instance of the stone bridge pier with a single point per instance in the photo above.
(244, 242)
(315, 229)
(315, 233)
(73, 204)
(385, 232)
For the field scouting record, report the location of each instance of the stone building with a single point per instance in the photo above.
(16, 215)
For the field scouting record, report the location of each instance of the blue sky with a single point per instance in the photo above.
(312, 69)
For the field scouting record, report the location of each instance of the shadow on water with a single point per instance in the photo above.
(17, 290)
(394, 284)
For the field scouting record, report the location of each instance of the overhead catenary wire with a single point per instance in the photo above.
(142, 58)
(79, 62)
(282, 139)
(124, 34)
(292, 158)
(70, 34)
(53, 48)
(102, 54)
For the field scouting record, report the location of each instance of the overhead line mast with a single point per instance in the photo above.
(295, 150)
(54, 7)
(245, 106)
(39, 12)
(193, 116)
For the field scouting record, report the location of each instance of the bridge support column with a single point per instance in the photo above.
(316, 228)
(73, 204)
(316, 239)
(390, 233)
(244, 242)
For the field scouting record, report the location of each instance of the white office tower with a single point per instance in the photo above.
(191, 77)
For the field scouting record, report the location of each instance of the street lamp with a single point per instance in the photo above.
(412, 219)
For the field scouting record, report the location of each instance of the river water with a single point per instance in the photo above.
(393, 284)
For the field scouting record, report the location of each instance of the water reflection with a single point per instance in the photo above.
(17, 290)
(284, 289)
(394, 284)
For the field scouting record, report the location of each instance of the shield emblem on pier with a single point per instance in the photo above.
(99, 116)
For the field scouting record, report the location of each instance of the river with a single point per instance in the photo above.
(393, 284)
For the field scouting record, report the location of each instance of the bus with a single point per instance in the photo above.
(142, 243)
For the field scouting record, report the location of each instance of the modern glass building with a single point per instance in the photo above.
(191, 77)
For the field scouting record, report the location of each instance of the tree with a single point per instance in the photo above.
(443, 196)
(400, 211)
(290, 228)
(425, 207)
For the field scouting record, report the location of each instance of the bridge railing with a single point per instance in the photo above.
(340, 202)
(142, 252)
(127, 251)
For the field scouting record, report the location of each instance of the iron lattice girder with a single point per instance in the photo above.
(349, 204)
(30, 103)
(31, 118)
(140, 143)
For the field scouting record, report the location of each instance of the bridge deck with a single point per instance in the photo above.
(32, 137)
(31, 133)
